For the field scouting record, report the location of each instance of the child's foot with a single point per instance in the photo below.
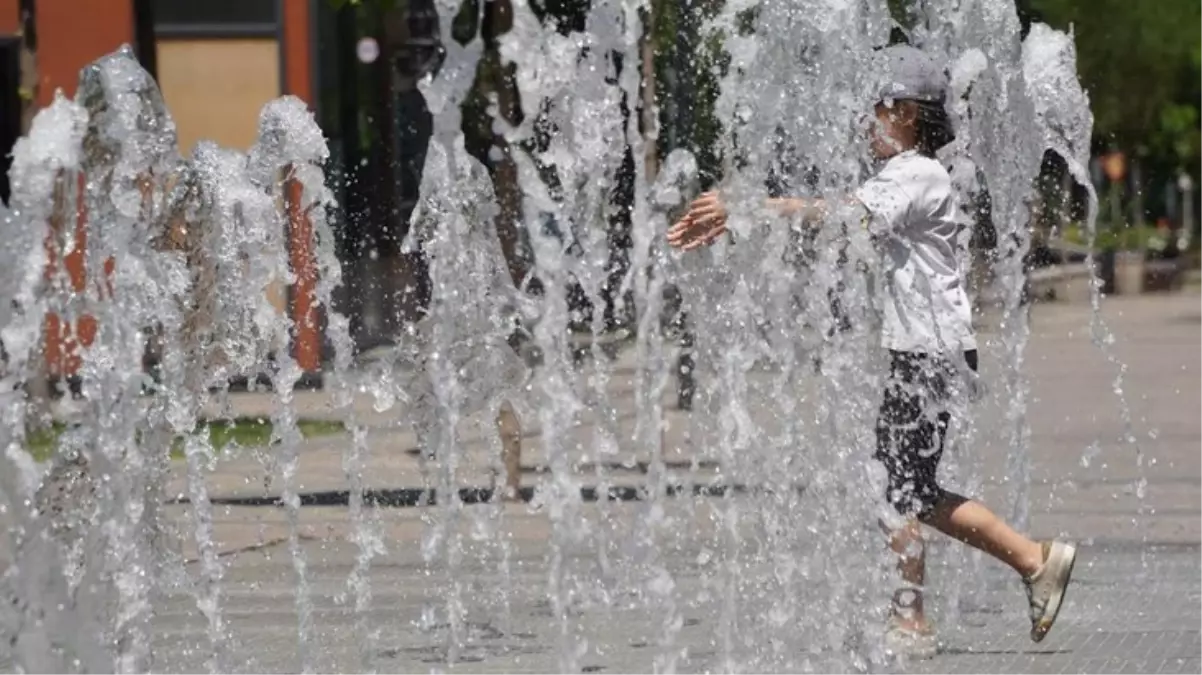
(1045, 588)
(911, 640)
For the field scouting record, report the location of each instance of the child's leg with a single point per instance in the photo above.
(974, 524)
(1046, 567)
(909, 443)
(908, 544)
(509, 428)
(909, 446)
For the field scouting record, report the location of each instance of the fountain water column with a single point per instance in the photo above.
(231, 235)
(854, 557)
(968, 432)
(596, 133)
(1009, 156)
(587, 111)
(561, 491)
(1063, 118)
(640, 134)
(129, 151)
(645, 275)
(185, 372)
(720, 289)
(833, 530)
(938, 30)
(284, 432)
(580, 142)
(672, 188)
(445, 219)
(435, 359)
(576, 144)
(122, 96)
(465, 361)
(717, 292)
(461, 356)
(286, 164)
(799, 74)
(44, 632)
(307, 201)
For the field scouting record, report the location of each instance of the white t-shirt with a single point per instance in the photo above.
(914, 215)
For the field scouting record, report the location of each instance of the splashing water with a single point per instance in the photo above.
(179, 250)
(1049, 65)
(43, 627)
(784, 552)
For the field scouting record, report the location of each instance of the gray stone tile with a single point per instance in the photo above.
(1120, 616)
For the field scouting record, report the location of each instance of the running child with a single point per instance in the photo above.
(910, 210)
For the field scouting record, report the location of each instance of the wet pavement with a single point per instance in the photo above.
(1134, 605)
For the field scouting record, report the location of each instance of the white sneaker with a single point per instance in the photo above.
(910, 643)
(1045, 588)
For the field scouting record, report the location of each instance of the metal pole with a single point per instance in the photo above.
(1137, 194)
(650, 123)
(1186, 185)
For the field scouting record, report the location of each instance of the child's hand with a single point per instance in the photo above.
(704, 222)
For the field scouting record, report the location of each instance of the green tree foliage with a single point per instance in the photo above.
(1140, 60)
(1141, 63)
(689, 61)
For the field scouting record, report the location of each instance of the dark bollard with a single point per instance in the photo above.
(675, 323)
(1106, 268)
(686, 384)
(686, 380)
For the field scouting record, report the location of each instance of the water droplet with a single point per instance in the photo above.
(1091, 451)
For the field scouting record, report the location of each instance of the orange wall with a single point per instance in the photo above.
(73, 33)
(9, 16)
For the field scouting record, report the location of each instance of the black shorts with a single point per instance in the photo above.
(912, 426)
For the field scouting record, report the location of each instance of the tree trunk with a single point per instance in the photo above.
(498, 78)
(649, 121)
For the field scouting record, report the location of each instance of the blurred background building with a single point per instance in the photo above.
(357, 65)
(219, 61)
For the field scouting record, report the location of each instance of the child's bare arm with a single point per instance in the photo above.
(705, 220)
(810, 211)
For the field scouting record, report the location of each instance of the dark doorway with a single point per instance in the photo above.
(10, 106)
(144, 36)
(370, 57)
(369, 61)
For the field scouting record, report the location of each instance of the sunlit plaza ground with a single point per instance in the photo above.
(1134, 604)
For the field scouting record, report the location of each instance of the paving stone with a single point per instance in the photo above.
(1134, 605)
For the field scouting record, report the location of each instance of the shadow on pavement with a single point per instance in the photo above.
(413, 497)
